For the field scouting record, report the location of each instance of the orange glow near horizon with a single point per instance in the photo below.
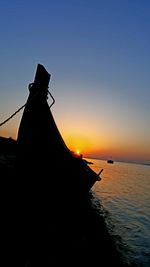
(91, 142)
(105, 147)
(78, 143)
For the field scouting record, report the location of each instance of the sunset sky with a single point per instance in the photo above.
(98, 53)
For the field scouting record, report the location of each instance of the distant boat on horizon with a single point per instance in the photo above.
(110, 161)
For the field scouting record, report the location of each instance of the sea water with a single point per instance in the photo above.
(124, 194)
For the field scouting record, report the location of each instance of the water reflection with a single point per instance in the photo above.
(124, 193)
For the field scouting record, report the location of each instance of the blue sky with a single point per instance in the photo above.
(98, 55)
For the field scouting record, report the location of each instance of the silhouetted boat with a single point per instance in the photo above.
(43, 159)
(39, 211)
(110, 161)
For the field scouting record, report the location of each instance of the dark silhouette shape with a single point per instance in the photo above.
(110, 161)
(42, 150)
(53, 181)
(47, 216)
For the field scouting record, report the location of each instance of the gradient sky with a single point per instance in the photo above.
(98, 53)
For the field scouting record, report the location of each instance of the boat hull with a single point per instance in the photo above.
(42, 151)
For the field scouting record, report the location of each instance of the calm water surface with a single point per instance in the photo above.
(124, 193)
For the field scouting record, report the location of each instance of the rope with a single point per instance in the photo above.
(9, 118)
(52, 98)
(12, 115)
